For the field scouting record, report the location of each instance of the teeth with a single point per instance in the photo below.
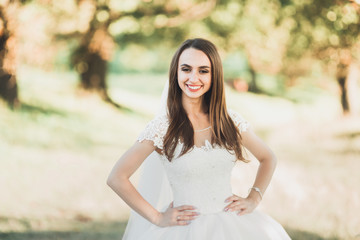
(194, 88)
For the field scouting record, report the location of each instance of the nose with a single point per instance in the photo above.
(194, 77)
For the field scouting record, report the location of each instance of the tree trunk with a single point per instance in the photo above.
(342, 79)
(91, 60)
(93, 74)
(253, 87)
(9, 89)
(8, 84)
(344, 95)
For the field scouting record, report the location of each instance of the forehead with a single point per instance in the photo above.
(194, 58)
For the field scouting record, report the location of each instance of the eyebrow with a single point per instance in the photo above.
(186, 65)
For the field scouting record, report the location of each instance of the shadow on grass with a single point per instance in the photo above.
(115, 230)
(296, 234)
(37, 109)
(79, 231)
(24, 107)
(349, 135)
(52, 235)
(347, 151)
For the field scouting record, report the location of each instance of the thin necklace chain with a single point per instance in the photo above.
(201, 130)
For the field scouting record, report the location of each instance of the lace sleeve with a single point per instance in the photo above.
(239, 121)
(155, 131)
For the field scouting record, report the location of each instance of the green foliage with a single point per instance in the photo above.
(281, 38)
(331, 24)
(138, 59)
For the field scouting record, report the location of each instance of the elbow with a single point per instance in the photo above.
(273, 160)
(116, 181)
(111, 181)
(269, 160)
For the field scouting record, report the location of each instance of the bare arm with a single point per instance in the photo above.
(119, 181)
(264, 174)
(266, 158)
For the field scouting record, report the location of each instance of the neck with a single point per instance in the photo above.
(193, 106)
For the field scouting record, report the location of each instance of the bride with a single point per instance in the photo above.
(197, 140)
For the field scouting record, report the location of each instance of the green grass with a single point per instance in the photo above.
(58, 148)
(62, 229)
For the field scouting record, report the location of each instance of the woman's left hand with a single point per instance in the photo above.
(241, 205)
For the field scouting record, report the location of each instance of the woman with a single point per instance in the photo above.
(198, 141)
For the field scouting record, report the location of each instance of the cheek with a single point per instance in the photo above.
(208, 81)
(180, 76)
(180, 81)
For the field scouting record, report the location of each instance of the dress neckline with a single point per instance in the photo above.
(206, 147)
(201, 130)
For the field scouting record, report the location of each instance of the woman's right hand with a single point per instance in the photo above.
(181, 215)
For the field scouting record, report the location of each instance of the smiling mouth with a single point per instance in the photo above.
(194, 87)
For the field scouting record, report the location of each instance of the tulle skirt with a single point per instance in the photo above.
(221, 226)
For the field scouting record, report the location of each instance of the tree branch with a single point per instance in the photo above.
(196, 12)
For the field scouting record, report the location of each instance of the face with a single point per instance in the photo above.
(194, 73)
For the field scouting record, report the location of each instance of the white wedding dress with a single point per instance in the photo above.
(201, 178)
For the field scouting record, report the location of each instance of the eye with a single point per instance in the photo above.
(204, 71)
(186, 69)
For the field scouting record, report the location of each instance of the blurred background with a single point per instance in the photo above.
(80, 79)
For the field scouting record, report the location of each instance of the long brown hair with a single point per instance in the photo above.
(224, 132)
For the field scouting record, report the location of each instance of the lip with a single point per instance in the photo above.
(193, 88)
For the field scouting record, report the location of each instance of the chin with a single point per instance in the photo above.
(194, 95)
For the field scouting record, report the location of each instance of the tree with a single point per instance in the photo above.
(329, 32)
(11, 35)
(251, 26)
(8, 84)
(107, 23)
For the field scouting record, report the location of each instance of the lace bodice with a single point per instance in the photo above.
(201, 177)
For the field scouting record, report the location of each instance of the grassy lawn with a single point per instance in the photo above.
(57, 150)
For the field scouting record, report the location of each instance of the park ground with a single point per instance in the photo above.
(59, 147)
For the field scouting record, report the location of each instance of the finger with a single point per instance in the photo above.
(182, 223)
(234, 209)
(186, 218)
(230, 199)
(237, 208)
(243, 212)
(233, 198)
(185, 207)
(190, 213)
(183, 215)
(236, 204)
(183, 220)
